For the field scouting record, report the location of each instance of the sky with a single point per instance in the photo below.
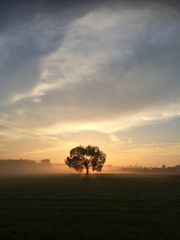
(103, 72)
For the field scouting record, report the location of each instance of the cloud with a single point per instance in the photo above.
(86, 48)
(112, 124)
(104, 71)
(25, 42)
(113, 63)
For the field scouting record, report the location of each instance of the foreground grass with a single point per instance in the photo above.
(98, 207)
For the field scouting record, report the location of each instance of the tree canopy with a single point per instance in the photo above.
(83, 158)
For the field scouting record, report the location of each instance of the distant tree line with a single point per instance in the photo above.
(12, 166)
(139, 169)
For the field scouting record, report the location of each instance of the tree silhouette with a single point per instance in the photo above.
(81, 158)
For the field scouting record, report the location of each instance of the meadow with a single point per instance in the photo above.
(128, 207)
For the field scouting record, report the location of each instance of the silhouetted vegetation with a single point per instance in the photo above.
(25, 166)
(85, 158)
(12, 166)
(145, 170)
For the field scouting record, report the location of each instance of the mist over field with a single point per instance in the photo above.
(25, 167)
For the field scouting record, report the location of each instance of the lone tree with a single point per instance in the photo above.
(81, 158)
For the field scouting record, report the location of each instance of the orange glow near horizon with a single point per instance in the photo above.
(106, 76)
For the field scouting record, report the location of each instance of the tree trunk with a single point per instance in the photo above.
(87, 170)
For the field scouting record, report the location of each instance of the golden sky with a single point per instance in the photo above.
(103, 73)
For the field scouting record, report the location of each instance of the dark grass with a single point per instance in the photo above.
(96, 207)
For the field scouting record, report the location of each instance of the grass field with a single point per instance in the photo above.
(96, 207)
